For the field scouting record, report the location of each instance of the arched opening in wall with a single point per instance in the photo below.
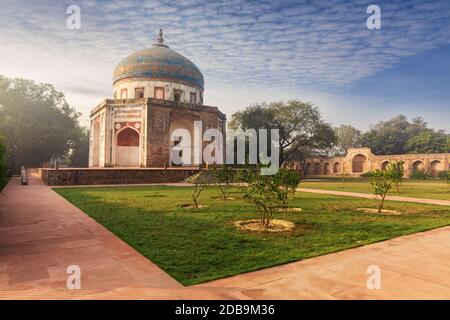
(359, 163)
(177, 94)
(317, 168)
(96, 143)
(326, 169)
(336, 167)
(309, 168)
(418, 166)
(436, 166)
(183, 132)
(139, 93)
(127, 148)
(384, 165)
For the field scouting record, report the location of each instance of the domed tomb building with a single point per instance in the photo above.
(156, 91)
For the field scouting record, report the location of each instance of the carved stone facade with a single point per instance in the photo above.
(361, 160)
(136, 132)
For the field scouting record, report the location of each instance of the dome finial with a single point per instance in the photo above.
(160, 40)
(160, 36)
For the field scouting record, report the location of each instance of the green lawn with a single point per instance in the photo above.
(195, 246)
(431, 189)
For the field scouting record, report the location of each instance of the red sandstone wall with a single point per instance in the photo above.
(67, 177)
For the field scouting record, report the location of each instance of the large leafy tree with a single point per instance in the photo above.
(391, 136)
(302, 130)
(79, 156)
(429, 141)
(347, 137)
(36, 121)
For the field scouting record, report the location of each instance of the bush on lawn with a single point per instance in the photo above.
(419, 175)
(396, 171)
(224, 177)
(200, 181)
(268, 192)
(445, 176)
(382, 181)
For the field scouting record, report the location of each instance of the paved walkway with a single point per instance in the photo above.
(41, 234)
(371, 196)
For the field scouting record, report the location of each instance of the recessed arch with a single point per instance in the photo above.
(317, 168)
(418, 165)
(127, 148)
(336, 167)
(359, 163)
(326, 168)
(385, 164)
(436, 166)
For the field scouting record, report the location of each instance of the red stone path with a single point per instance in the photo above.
(41, 234)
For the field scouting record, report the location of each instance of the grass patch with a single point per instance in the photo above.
(430, 189)
(194, 246)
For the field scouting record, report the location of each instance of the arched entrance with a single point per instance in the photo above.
(384, 165)
(359, 163)
(418, 166)
(127, 148)
(436, 166)
(317, 168)
(337, 167)
(326, 169)
(309, 169)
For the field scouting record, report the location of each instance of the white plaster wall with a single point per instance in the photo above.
(149, 89)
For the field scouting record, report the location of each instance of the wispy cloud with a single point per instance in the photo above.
(266, 46)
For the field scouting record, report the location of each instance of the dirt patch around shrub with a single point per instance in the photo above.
(254, 225)
(384, 211)
(289, 210)
(192, 206)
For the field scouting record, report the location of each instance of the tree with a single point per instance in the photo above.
(381, 182)
(347, 137)
(224, 176)
(300, 126)
(445, 176)
(391, 136)
(396, 171)
(36, 121)
(268, 192)
(200, 181)
(79, 158)
(429, 141)
(288, 181)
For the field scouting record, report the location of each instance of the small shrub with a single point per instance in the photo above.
(200, 181)
(395, 169)
(269, 192)
(367, 174)
(382, 181)
(445, 176)
(419, 175)
(224, 177)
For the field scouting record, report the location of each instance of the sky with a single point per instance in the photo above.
(248, 51)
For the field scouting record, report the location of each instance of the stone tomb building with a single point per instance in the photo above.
(361, 160)
(156, 91)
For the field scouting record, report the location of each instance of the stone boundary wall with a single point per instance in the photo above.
(87, 176)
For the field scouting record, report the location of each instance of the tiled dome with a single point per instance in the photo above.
(159, 63)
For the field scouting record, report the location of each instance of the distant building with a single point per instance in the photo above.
(361, 160)
(156, 91)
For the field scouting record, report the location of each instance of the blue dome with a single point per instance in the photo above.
(159, 63)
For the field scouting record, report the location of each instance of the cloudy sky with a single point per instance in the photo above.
(248, 51)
